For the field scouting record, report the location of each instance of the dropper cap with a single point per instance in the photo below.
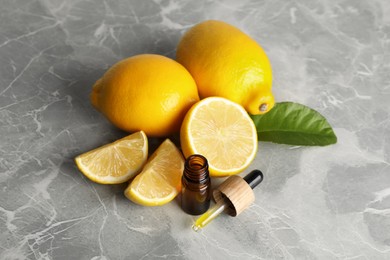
(237, 192)
(234, 195)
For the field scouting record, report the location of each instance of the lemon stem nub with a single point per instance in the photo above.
(263, 107)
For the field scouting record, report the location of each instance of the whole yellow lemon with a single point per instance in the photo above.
(145, 92)
(226, 62)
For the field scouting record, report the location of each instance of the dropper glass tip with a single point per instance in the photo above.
(196, 228)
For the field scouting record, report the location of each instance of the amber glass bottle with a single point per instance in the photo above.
(196, 185)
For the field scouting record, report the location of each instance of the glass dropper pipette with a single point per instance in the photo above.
(233, 195)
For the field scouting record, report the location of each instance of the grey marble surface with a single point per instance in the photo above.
(315, 202)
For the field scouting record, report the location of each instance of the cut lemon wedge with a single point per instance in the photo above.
(160, 180)
(223, 132)
(116, 162)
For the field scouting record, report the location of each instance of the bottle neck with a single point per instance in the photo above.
(196, 172)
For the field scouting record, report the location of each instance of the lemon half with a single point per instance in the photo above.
(223, 132)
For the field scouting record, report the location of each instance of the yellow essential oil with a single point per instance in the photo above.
(207, 217)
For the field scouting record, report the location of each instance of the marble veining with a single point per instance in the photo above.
(315, 202)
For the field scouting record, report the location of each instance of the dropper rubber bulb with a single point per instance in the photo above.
(252, 179)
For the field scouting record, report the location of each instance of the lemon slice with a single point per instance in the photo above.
(160, 180)
(223, 132)
(116, 162)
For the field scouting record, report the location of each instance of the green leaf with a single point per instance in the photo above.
(294, 124)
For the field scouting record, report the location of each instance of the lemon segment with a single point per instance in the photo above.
(160, 180)
(116, 162)
(223, 132)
